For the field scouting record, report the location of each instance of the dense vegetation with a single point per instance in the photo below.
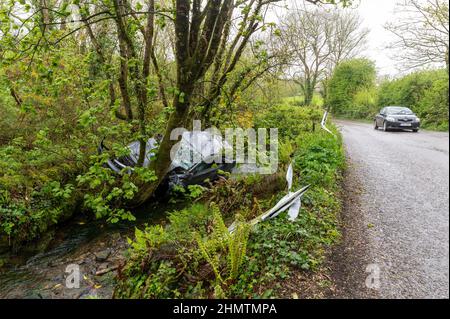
(425, 92)
(194, 256)
(353, 93)
(43, 144)
(350, 90)
(48, 154)
(74, 74)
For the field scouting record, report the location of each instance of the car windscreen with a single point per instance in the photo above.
(196, 146)
(150, 147)
(399, 111)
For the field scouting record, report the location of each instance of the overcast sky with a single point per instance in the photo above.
(375, 14)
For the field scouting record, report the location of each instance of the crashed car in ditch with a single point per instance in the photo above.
(198, 158)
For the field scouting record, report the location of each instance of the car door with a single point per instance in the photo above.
(201, 172)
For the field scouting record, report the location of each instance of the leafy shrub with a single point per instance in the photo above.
(350, 88)
(52, 137)
(424, 92)
(365, 104)
(193, 256)
(317, 101)
(319, 158)
(29, 206)
(290, 120)
(21, 220)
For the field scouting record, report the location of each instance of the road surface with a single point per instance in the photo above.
(396, 214)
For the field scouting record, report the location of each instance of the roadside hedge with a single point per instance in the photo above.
(424, 92)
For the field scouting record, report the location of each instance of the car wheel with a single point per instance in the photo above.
(385, 128)
(375, 125)
(416, 130)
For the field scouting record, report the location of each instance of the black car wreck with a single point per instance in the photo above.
(196, 160)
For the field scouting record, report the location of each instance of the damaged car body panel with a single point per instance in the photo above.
(196, 158)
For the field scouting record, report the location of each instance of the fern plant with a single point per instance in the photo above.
(237, 246)
(221, 244)
(209, 253)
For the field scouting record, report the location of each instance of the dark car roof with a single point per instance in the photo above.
(397, 107)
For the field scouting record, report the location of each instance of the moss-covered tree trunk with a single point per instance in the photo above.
(163, 160)
(199, 33)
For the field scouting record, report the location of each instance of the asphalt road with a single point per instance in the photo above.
(402, 212)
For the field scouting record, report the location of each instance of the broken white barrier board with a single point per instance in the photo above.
(291, 201)
(295, 207)
(324, 121)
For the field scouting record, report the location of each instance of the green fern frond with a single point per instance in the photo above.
(204, 249)
(237, 245)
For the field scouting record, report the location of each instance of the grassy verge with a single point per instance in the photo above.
(194, 256)
(348, 118)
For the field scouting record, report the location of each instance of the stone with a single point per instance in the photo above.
(102, 255)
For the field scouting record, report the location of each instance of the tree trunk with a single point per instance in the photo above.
(308, 93)
(197, 44)
(447, 62)
(163, 160)
(16, 97)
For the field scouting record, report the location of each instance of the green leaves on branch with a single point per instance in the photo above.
(348, 79)
(106, 191)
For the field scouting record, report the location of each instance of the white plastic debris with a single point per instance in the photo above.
(291, 201)
(289, 176)
(324, 121)
(295, 208)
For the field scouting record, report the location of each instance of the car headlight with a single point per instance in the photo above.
(417, 119)
(390, 119)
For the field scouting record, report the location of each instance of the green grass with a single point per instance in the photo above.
(299, 100)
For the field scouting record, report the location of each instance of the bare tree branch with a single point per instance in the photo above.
(422, 34)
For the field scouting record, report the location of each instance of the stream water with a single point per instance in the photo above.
(40, 270)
